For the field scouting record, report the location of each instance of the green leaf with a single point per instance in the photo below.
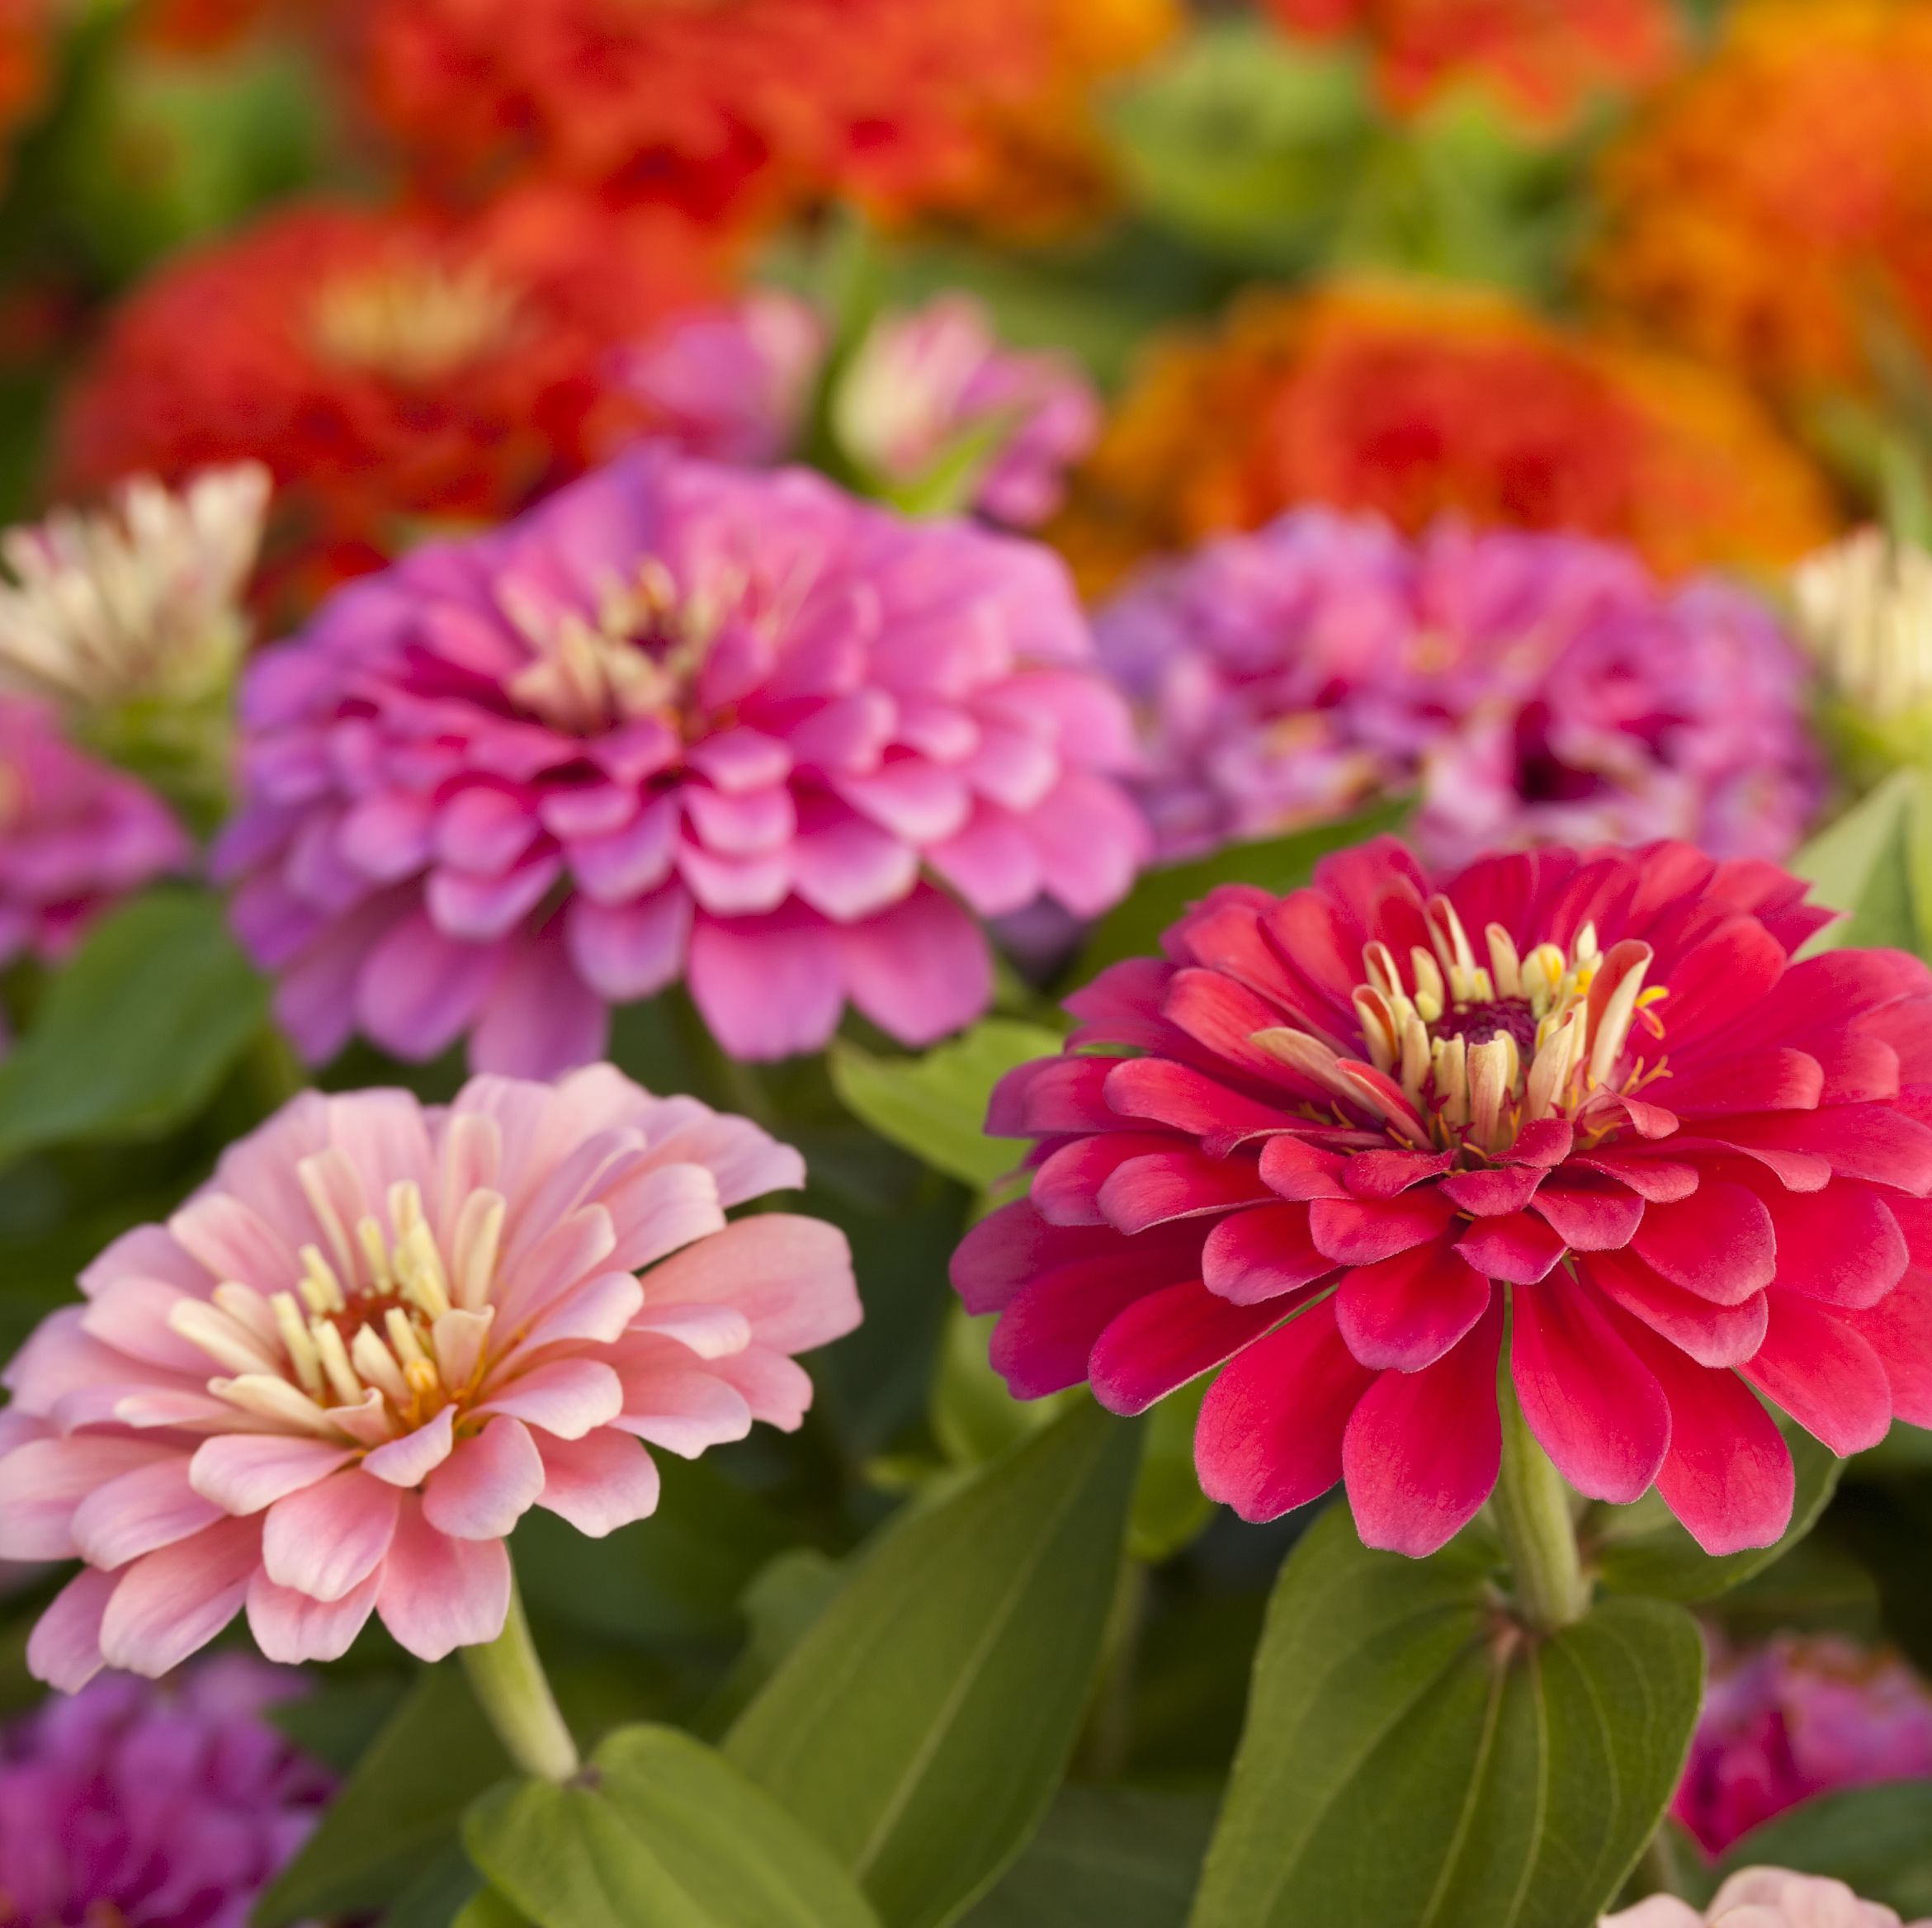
(1122, 1856)
(663, 1833)
(1878, 1840)
(484, 1909)
(1133, 928)
(449, 1891)
(1860, 864)
(137, 1031)
(935, 1106)
(974, 1417)
(1642, 1549)
(397, 1811)
(921, 1726)
(1170, 1510)
(1409, 1757)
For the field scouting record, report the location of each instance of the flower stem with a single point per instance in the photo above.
(509, 1682)
(1533, 1511)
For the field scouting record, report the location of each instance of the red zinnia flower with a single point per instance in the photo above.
(1359, 1131)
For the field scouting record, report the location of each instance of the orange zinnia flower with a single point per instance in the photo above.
(1419, 403)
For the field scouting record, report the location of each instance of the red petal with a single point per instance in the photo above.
(1841, 1244)
(1123, 1005)
(1408, 1311)
(1713, 1335)
(1593, 1406)
(1270, 1434)
(1899, 1329)
(1165, 1185)
(1047, 1332)
(1728, 1474)
(1171, 1337)
(1730, 972)
(1050, 1096)
(1824, 1374)
(1188, 1100)
(1773, 1078)
(1797, 1171)
(1718, 1243)
(1382, 1174)
(1421, 1451)
(1261, 1253)
(1545, 1143)
(1492, 1193)
(1066, 1186)
(1590, 1214)
(1222, 1016)
(1658, 1181)
(1519, 1249)
(1874, 1142)
(1014, 1244)
(1297, 1169)
(1358, 1231)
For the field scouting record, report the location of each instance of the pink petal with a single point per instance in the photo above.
(849, 869)
(169, 1603)
(767, 987)
(1159, 1186)
(1713, 1335)
(65, 1648)
(1718, 1243)
(438, 1593)
(410, 1460)
(329, 1538)
(790, 1277)
(1899, 1329)
(920, 970)
(1271, 1427)
(1260, 1254)
(1164, 1340)
(151, 1506)
(1823, 1371)
(487, 1485)
(778, 1389)
(627, 951)
(1589, 1215)
(1422, 1449)
(1520, 1249)
(417, 990)
(673, 1403)
(569, 1398)
(1593, 1406)
(1841, 1245)
(655, 1213)
(599, 1310)
(292, 1627)
(604, 1481)
(540, 1018)
(43, 1482)
(1407, 1311)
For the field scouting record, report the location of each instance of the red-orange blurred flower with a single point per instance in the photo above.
(742, 108)
(390, 370)
(1419, 403)
(1782, 190)
(25, 28)
(1544, 58)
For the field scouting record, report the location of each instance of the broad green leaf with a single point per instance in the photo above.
(1133, 928)
(1122, 1857)
(974, 1417)
(1861, 864)
(449, 1893)
(663, 1833)
(935, 1106)
(921, 1726)
(1642, 1549)
(1243, 142)
(397, 1811)
(1410, 1759)
(1876, 1839)
(337, 1721)
(137, 1031)
(484, 1909)
(1169, 1508)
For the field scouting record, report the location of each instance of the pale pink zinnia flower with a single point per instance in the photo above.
(75, 835)
(681, 720)
(338, 1376)
(1763, 1897)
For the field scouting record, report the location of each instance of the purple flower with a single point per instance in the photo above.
(1532, 689)
(75, 835)
(154, 1806)
(680, 721)
(1799, 1716)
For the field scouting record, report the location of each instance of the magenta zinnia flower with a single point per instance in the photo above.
(680, 720)
(1532, 689)
(1800, 1716)
(75, 835)
(1362, 1125)
(338, 1376)
(154, 1807)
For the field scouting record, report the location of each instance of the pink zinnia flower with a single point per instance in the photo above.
(1800, 1716)
(1532, 688)
(1362, 1124)
(1765, 1898)
(75, 835)
(680, 721)
(338, 1376)
(154, 1807)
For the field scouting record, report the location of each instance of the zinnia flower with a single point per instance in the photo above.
(1763, 1897)
(1802, 1715)
(1775, 254)
(1544, 62)
(1535, 688)
(1418, 402)
(75, 835)
(1584, 1094)
(927, 390)
(389, 370)
(157, 1808)
(332, 1382)
(679, 720)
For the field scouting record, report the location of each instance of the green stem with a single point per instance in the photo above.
(1532, 1510)
(1659, 1871)
(508, 1681)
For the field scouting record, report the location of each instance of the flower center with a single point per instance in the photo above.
(413, 320)
(1466, 1054)
(382, 1328)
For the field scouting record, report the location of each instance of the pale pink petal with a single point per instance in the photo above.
(65, 1648)
(42, 1483)
(152, 1506)
(232, 1240)
(746, 1161)
(791, 1277)
(170, 1603)
(242, 1473)
(681, 1407)
(487, 1485)
(654, 1210)
(557, 1263)
(778, 1389)
(147, 1252)
(292, 1627)
(599, 1311)
(329, 1538)
(710, 1331)
(410, 1460)
(438, 1593)
(598, 1483)
(568, 1397)
(131, 1316)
